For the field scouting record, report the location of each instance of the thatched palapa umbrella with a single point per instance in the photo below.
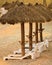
(13, 4)
(44, 13)
(23, 14)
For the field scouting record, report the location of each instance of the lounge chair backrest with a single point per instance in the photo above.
(46, 42)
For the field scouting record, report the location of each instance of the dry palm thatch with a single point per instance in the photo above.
(21, 13)
(7, 5)
(43, 11)
(50, 6)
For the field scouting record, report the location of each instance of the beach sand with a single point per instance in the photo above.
(9, 37)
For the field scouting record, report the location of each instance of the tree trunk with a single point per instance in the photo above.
(30, 36)
(41, 36)
(22, 39)
(36, 32)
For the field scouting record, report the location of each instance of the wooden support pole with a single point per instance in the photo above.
(41, 35)
(36, 32)
(30, 36)
(22, 39)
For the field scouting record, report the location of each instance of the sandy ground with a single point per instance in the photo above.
(9, 37)
(45, 59)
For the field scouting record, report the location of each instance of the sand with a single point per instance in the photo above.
(45, 59)
(9, 37)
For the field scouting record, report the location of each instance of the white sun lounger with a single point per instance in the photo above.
(11, 58)
(19, 51)
(35, 53)
(14, 55)
(42, 46)
(26, 49)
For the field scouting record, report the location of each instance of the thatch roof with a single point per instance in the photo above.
(21, 13)
(43, 11)
(7, 5)
(50, 6)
